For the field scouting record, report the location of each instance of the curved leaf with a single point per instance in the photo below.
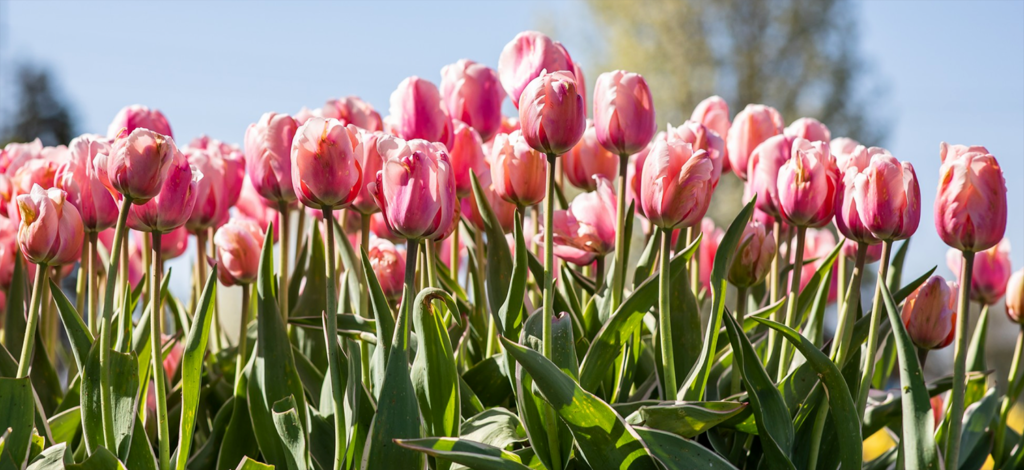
(686, 419)
(385, 325)
(192, 367)
(499, 258)
(434, 374)
(78, 333)
(292, 433)
(496, 427)
(676, 453)
(16, 414)
(465, 452)
(124, 382)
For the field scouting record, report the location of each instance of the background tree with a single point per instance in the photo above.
(39, 112)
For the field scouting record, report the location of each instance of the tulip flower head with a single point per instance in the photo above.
(990, 274)
(370, 162)
(808, 128)
(849, 153)
(755, 124)
(388, 263)
(700, 137)
(51, 232)
(552, 113)
(137, 116)
(517, 170)
(1015, 297)
(472, 93)
(137, 164)
(711, 238)
(807, 185)
(970, 207)
(417, 112)
(929, 313)
(467, 157)
(586, 230)
(218, 189)
(676, 185)
(887, 196)
(527, 56)
(350, 110)
(505, 211)
(623, 112)
(763, 172)
(713, 113)
(238, 244)
(268, 145)
(325, 165)
(173, 205)
(589, 158)
(754, 255)
(415, 189)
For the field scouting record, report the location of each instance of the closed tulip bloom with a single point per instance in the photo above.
(586, 229)
(137, 116)
(623, 112)
(172, 207)
(238, 244)
(636, 171)
(137, 164)
(417, 112)
(172, 244)
(371, 162)
(254, 207)
(325, 165)
(581, 81)
(849, 152)
(888, 196)
(755, 124)
(929, 313)
(872, 255)
(763, 172)
(754, 255)
(1015, 297)
(268, 145)
(415, 190)
(711, 239)
(351, 110)
(589, 158)
(525, 58)
(517, 170)
(810, 129)
(505, 211)
(472, 93)
(807, 185)
(990, 273)
(713, 112)
(467, 157)
(212, 198)
(970, 207)
(379, 228)
(230, 163)
(848, 217)
(39, 171)
(15, 154)
(388, 263)
(51, 232)
(676, 186)
(79, 179)
(700, 137)
(552, 113)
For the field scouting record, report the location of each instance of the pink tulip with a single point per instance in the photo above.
(238, 244)
(1015, 297)
(929, 313)
(230, 164)
(990, 274)
(417, 112)
(581, 81)
(810, 129)
(807, 185)
(586, 229)
(388, 262)
(872, 255)
(212, 198)
(351, 110)
(525, 57)
(8, 250)
(676, 186)
(713, 112)
(172, 207)
(849, 219)
(888, 196)
(623, 112)
(371, 162)
(763, 172)
(325, 165)
(305, 113)
(254, 207)
(467, 156)
(172, 244)
(505, 211)
(472, 93)
(50, 233)
(635, 174)
(700, 137)
(754, 255)
(137, 116)
(379, 228)
(849, 153)
(755, 124)
(709, 243)
(818, 244)
(589, 158)
(268, 163)
(970, 208)
(137, 164)
(518, 171)
(415, 190)
(16, 154)
(40, 171)
(552, 113)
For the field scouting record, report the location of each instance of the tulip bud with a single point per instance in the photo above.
(268, 163)
(713, 113)
(473, 94)
(849, 153)
(810, 129)
(807, 185)
(172, 207)
(552, 113)
(525, 58)
(676, 186)
(1015, 297)
(970, 208)
(763, 172)
(587, 159)
(990, 274)
(415, 190)
(888, 196)
(351, 110)
(137, 164)
(388, 263)
(701, 138)
(586, 229)
(755, 124)
(238, 244)
(518, 171)
(50, 233)
(467, 157)
(754, 255)
(623, 112)
(417, 112)
(872, 255)
(371, 162)
(137, 116)
(325, 167)
(929, 313)
(505, 211)
(711, 239)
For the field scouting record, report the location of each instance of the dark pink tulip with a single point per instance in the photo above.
(518, 171)
(137, 164)
(623, 112)
(388, 262)
(238, 244)
(888, 196)
(467, 157)
(525, 57)
(80, 180)
(172, 207)
(970, 207)
(587, 159)
(763, 172)
(810, 129)
(1015, 297)
(472, 93)
(586, 229)
(268, 145)
(51, 232)
(807, 185)
(415, 190)
(137, 116)
(700, 137)
(552, 114)
(371, 162)
(351, 110)
(505, 211)
(754, 255)
(929, 313)
(417, 112)
(676, 186)
(252, 206)
(325, 165)
(990, 274)
(755, 124)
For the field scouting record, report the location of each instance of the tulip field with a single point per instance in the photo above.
(448, 287)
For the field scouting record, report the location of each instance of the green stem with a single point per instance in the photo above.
(850, 302)
(91, 275)
(215, 328)
(868, 367)
(106, 404)
(431, 261)
(364, 303)
(791, 303)
(549, 299)
(741, 313)
(82, 286)
(39, 289)
(956, 410)
(773, 289)
(694, 266)
(412, 250)
(333, 352)
(1012, 392)
(841, 278)
(124, 319)
(599, 269)
(618, 277)
(155, 324)
(453, 257)
(243, 337)
(282, 293)
(816, 432)
(668, 362)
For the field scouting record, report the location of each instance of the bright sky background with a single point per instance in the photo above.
(954, 70)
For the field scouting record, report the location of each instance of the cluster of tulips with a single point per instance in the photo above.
(439, 302)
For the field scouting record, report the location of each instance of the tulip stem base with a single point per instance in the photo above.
(334, 364)
(868, 368)
(549, 300)
(668, 363)
(786, 352)
(106, 405)
(282, 293)
(956, 408)
(39, 290)
(618, 277)
(156, 345)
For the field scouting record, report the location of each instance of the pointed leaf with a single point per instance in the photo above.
(676, 453)
(192, 367)
(435, 376)
(101, 459)
(685, 419)
(292, 433)
(78, 333)
(496, 427)
(499, 258)
(385, 323)
(16, 414)
(465, 452)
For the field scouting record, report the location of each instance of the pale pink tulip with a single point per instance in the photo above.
(139, 117)
(676, 185)
(417, 112)
(137, 164)
(325, 165)
(467, 156)
(415, 190)
(1015, 297)
(254, 207)
(586, 230)
(238, 244)
(929, 313)
(518, 172)
(763, 172)
(970, 207)
(807, 185)
(16, 154)
(589, 158)
(472, 93)
(700, 137)
(371, 162)
(709, 243)
(810, 129)
(713, 112)
(268, 145)
(990, 274)
(388, 263)
(379, 228)
(849, 153)
(755, 124)
(552, 113)
(623, 112)
(51, 232)
(172, 207)
(525, 57)
(888, 196)
(351, 110)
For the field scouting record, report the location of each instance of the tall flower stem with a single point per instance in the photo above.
(82, 286)
(364, 301)
(106, 405)
(453, 259)
(773, 288)
(847, 316)
(243, 337)
(868, 368)
(668, 362)
(201, 236)
(791, 303)
(90, 274)
(618, 277)
(155, 324)
(39, 290)
(1012, 392)
(694, 267)
(741, 312)
(549, 295)
(412, 250)
(841, 277)
(282, 293)
(956, 408)
(599, 268)
(331, 335)
(431, 263)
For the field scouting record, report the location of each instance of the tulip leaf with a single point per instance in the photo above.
(918, 424)
(78, 333)
(313, 298)
(14, 317)
(510, 313)
(685, 316)
(694, 386)
(496, 427)
(815, 296)
(384, 322)
(435, 376)
(465, 452)
(248, 463)
(124, 384)
(976, 439)
(489, 380)
(206, 455)
(64, 425)
(9, 369)
(895, 276)
(192, 367)
(499, 259)
(359, 407)
(292, 433)
(16, 414)
(347, 322)
(676, 453)
(239, 438)
(51, 458)
(645, 267)
(140, 455)
(101, 459)
(685, 419)
(602, 436)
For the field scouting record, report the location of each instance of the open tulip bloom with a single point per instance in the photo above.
(453, 303)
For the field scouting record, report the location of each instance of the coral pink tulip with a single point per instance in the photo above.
(517, 170)
(172, 207)
(763, 172)
(552, 113)
(990, 274)
(505, 211)
(1015, 297)
(525, 57)
(970, 207)
(139, 117)
(467, 157)
(238, 244)
(417, 112)
(371, 162)
(754, 255)
(79, 179)
(623, 112)
(51, 232)
(807, 185)
(700, 137)
(888, 196)
(676, 185)
(589, 158)
(326, 173)
(810, 129)
(137, 164)
(351, 110)
(388, 263)
(472, 93)
(755, 124)
(586, 230)
(415, 190)
(929, 313)
(268, 145)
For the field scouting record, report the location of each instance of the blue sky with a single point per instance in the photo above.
(953, 70)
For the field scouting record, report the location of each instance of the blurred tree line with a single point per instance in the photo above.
(39, 111)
